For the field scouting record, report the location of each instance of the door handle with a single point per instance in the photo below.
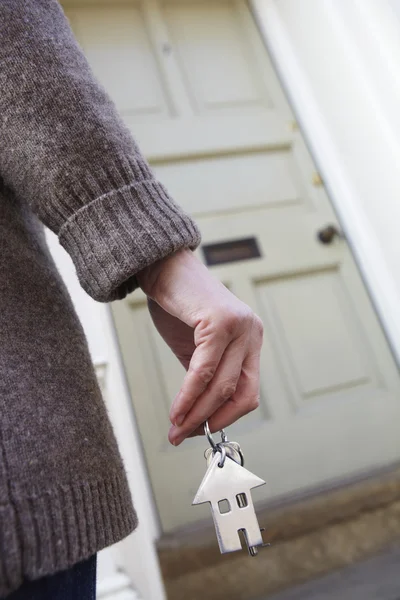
(327, 234)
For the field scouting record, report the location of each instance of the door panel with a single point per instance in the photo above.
(195, 84)
(223, 73)
(231, 183)
(119, 50)
(316, 307)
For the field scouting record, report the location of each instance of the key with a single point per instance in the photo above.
(227, 481)
(233, 451)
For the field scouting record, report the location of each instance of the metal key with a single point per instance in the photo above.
(227, 481)
(233, 451)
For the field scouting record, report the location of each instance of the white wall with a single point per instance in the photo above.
(136, 556)
(395, 6)
(339, 61)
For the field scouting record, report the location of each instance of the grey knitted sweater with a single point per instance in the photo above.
(66, 160)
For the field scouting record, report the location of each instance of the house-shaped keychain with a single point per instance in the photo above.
(227, 489)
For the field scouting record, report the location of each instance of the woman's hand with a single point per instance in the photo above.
(215, 336)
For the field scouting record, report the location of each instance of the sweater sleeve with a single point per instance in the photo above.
(65, 150)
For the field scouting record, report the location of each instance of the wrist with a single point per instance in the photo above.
(155, 276)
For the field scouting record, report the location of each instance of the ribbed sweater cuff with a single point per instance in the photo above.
(52, 530)
(116, 235)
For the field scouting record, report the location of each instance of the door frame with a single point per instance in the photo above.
(361, 44)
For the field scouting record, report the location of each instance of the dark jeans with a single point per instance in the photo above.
(77, 583)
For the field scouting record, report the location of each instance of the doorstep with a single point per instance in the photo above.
(377, 578)
(310, 537)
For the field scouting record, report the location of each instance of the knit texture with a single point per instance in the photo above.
(66, 152)
(68, 161)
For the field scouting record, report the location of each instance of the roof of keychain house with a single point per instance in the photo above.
(227, 489)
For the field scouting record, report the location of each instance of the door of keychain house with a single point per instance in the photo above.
(195, 84)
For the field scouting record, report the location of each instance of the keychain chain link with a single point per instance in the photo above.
(224, 447)
(217, 447)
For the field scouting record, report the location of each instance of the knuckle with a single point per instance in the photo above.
(236, 320)
(253, 403)
(229, 323)
(204, 373)
(259, 326)
(227, 390)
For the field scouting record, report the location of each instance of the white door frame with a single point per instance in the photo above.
(356, 83)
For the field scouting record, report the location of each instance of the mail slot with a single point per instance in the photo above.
(232, 251)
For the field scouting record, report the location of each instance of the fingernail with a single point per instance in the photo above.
(179, 420)
(172, 434)
(174, 437)
(176, 441)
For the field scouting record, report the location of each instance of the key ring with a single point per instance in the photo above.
(214, 446)
(217, 447)
(222, 449)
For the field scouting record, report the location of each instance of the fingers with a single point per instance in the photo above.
(212, 337)
(221, 388)
(202, 368)
(176, 334)
(245, 399)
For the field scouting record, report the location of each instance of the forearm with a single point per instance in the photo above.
(66, 151)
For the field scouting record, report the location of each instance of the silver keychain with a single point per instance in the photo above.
(226, 486)
(232, 449)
